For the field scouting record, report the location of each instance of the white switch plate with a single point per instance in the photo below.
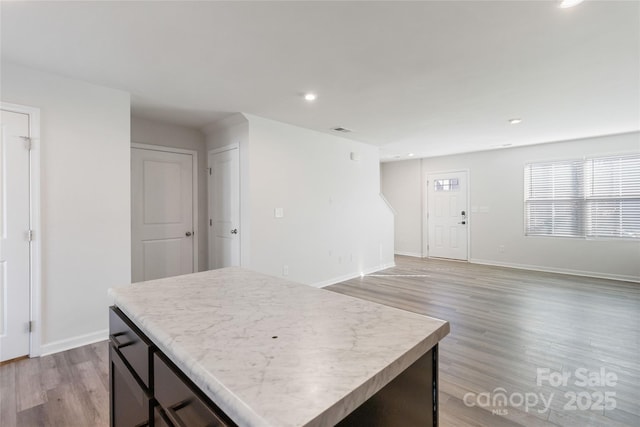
(285, 270)
(278, 212)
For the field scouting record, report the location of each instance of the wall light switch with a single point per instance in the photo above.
(278, 212)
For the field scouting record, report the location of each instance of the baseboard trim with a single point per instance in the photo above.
(339, 279)
(411, 254)
(622, 277)
(73, 342)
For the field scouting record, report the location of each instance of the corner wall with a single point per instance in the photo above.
(335, 223)
(85, 202)
(401, 186)
(145, 131)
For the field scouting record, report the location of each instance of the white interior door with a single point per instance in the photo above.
(447, 215)
(14, 241)
(162, 214)
(224, 209)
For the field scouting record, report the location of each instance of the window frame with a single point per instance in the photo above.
(583, 199)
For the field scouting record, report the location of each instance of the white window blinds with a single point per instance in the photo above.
(598, 197)
(612, 191)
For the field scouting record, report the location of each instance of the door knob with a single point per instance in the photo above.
(234, 231)
(463, 222)
(188, 234)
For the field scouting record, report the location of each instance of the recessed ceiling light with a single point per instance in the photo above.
(515, 121)
(310, 97)
(569, 3)
(410, 154)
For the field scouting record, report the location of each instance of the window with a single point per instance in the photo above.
(597, 197)
(446, 184)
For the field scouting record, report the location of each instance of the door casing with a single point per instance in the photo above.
(194, 169)
(35, 246)
(211, 233)
(425, 210)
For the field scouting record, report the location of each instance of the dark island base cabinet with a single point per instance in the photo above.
(410, 399)
(182, 404)
(129, 363)
(147, 389)
(130, 403)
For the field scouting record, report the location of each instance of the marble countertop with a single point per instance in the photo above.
(270, 352)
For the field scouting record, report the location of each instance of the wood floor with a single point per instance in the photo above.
(505, 325)
(65, 389)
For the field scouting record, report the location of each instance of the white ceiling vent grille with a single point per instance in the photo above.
(341, 129)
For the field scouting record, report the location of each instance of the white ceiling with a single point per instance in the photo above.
(427, 78)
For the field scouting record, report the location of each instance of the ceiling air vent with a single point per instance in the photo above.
(341, 129)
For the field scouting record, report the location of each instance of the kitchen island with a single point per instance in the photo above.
(234, 347)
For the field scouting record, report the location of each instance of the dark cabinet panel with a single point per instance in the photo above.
(130, 404)
(181, 401)
(160, 419)
(134, 346)
(410, 399)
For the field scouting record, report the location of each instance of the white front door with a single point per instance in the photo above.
(162, 242)
(14, 241)
(447, 215)
(224, 209)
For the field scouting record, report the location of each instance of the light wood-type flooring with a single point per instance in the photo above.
(506, 325)
(68, 389)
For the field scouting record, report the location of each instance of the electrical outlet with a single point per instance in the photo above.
(501, 249)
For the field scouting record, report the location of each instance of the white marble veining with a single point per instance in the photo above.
(274, 353)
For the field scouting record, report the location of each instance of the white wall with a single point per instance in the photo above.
(233, 129)
(85, 236)
(407, 203)
(145, 131)
(335, 223)
(496, 182)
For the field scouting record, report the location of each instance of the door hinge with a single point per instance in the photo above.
(209, 171)
(30, 235)
(27, 142)
(210, 222)
(30, 325)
